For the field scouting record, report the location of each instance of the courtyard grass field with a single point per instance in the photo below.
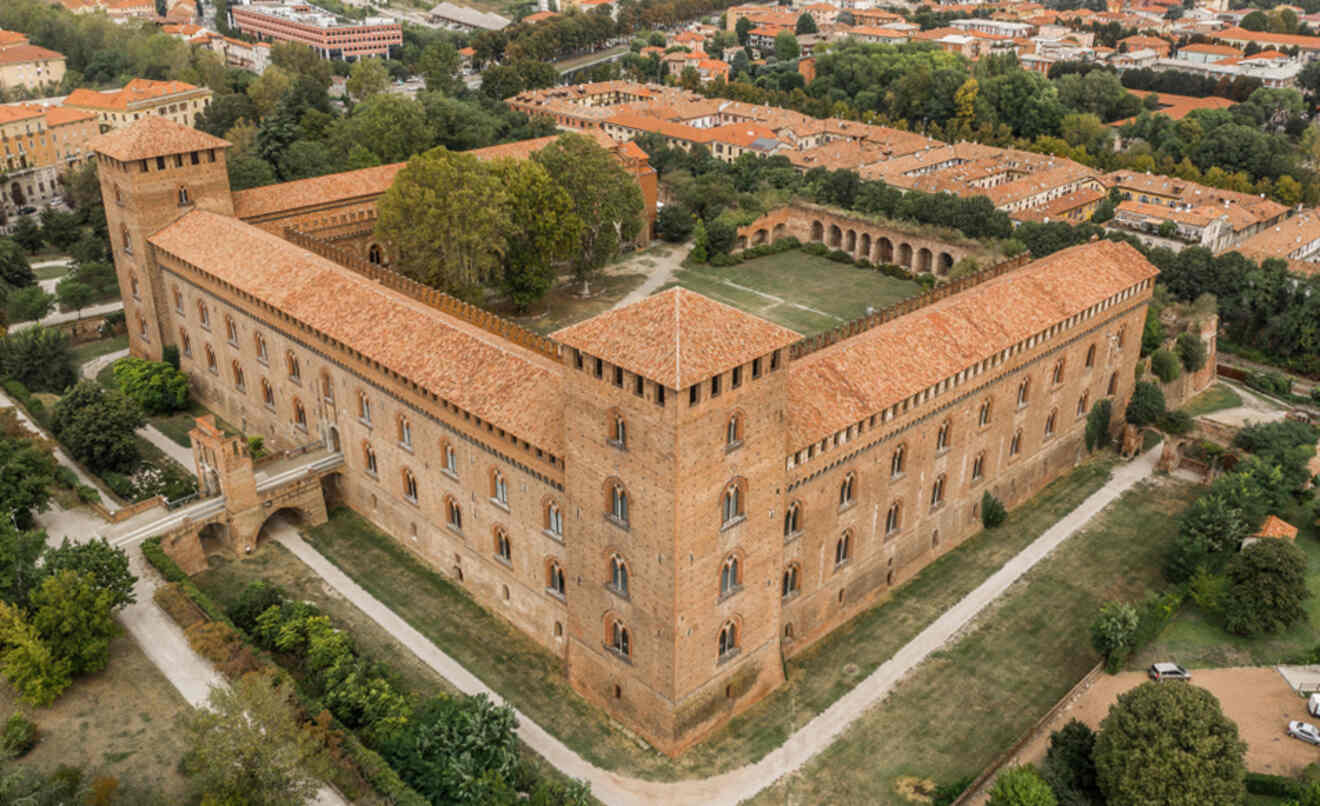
(562, 306)
(957, 712)
(1216, 398)
(802, 292)
(535, 681)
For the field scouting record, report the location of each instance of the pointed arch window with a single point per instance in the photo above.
(239, 382)
(937, 492)
(1083, 403)
(503, 546)
(1050, 422)
(733, 431)
(210, 360)
(267, 394)
(1056, 377)
(843, 549)
(369, 458)
(619, 638)
(126, 239)
(231, 330)
(983, 417)
(178, 301)
(450, 459)
(409, 485)
(790, 581)
(554, 579)
(978, 466)
(732, 504)
(327, 388)
(1113, 385)
(262, 354)
(618, 431)
(364, 408)
(499, 488)
(942, 436)
(453, 514)
(1024, 392)
(793, 519)
(295, 369)
(203, 315)
(730, 576)
(618, 503)
(405, 433)
(897, 460)
(186, 341)
(1090, 356)
(618, 575)
(847, 489)
(1015, 445)
(554, 519)
(894, 518)
(299, 414)
(728, 645)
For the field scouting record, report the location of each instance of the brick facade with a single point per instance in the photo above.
(737, 409)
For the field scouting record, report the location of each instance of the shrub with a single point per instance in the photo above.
(88, 494)
(1113, 631)
(1274, 786)
(992, 511)
(816, 248)
(1191, 352)
(156, 386)
(1069, 763)
(840, 256)
(176, 604)
(256, 598)
(1175, 422)
(862, 263)
(724, 259)
(674, 222)
(19, 737)
(65, 477)
(1273, 383)
(1165, 366)
(1097, 425)
(1153, 615)
(1021, 786)
(39, 357)
(169, 354)
(946, 794)
(1146, 405)
(256, 446)
(1266, 588)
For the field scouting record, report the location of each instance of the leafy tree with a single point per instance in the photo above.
(27, 304)
(1113, 631)
(1097, 424)
(1152, 333)
(720, 237)
(304, 159)
(1255, 21)
(1069, 763)
(391, 127)
(743, 28)
(251, 746)
(1169, 745)
(14, 269)
(445, 216)
(19, 552)
(806, 24)
(544, 229)
(74, 295)
(38, 674)
(249, 171)
(39, 358)
(1165, 366)
(1146, 405)
(1021, 786)
(155, 385)
(27, 471)
(367, 78)
(501, 81)
(105, 564)
(1191, 352)
(452, 748)
(992, 511)
(97, 426)
(1209, 532)
(1266, 588)
(27, 235)
(439, 65)
(75, 618)
(59, 229)
(786, 47)
(674, 222)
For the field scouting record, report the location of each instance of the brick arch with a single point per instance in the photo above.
(613, 417)
(884, 250)
(548, 564)
(735, 427)
(547, 501)
(737, 484)
(864, 248)
(817, 231)
(850, 241)
(794, 519)
(611, 618)
(836, 236)
(905, 255)
(945, 264)
(735, 560)
(498, 530)
(924, 257)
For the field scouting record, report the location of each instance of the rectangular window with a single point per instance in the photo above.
(736, 381)
(160, 163)
(756, 368)
(715, 386)
(659, 395)
(694, 394)
(618, 377)
(577, 358)
(600, 368)
(639, 385)
(774, 361)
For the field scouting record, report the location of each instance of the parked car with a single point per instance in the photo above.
(1168, 671)
(1304, 731)
(1313, 705)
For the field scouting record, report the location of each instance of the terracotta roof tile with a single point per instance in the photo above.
(256, 202)
(152, 136)
(139, 89)
(1277, 527)
(509, 386)
(677, 338)
(863, 375)
(19, 54)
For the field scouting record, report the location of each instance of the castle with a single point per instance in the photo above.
(672, 496)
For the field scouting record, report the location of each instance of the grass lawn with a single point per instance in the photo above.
(1218, 397)
(535, 681)
(1197, 639)
(227, 577)
(955, 713)
(562, 307)
(95, 349)
(803, 292)
(51, 272)
(120, 722)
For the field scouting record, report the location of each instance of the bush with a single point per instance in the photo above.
(88, 494)
(1175, 422)
(20, 736)
(39, 357)
(840, 256)
(1153, 615)
(674, 222)
(1021, 786)
(946, 794)
(170, 355)
(1113, 631)
(1266, 588)
(256, 446)
(176, 604)
(1097, 425)
(1274, 786)
(155, 385)
(1165, 366)
(1146, 405)
(65, 477)
(992, 511)
(816, 248)
(1191, 352)
(1069, 763)
(256, 598)
(1272, 383)
(724, 259)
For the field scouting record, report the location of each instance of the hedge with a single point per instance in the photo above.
(1275, 786)
(173, 573)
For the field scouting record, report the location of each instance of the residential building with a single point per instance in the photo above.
(1189, 203)
(331, 36)
(39, 144)
(139, 98)
(28, 66)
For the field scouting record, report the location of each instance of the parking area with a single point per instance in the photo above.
(1258, 699)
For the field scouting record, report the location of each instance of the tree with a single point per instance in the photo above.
(501, 81)
(1169, 745)
(1191, 351)
(74, 295)
(743, 28)
(438, 66)
(75, 618)
(27, 472)
(786, 47)
(1069, 763)
(59, 229)
(1021, 786)
(249, 171)
(156, 386)
(1266, 588)
(1209, 532)
(390, 126)
(445, 217)
(1164, 365)
(1097, 424)
(97, 425)
(605, 197)
(107, 566)
(26, 234)
(1146, 405)
(14, 269)
(1255, 21)
(806, 24)
(265, 93)
(28, 662)
(451, 748)
(19, 552)
(39, 358)
(674, 222)
(1113, 631)
(544, 229)
(368, 77)
(1152, 332)
(27, 304)
(251, 746)
(992, 511)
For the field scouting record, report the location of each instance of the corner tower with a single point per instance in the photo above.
(152, 173)
(676, 432)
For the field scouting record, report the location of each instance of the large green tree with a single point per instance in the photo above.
(439, 66)
(156, 386)
(27, 304)
(606, 198)
(97, 426)
(19, 555)
(391, 127)
(75, 618)
(543, 229)
(14, 269)
(453, 749)
(1266, 588)
(27, 472)
(40, 358)
(1169, 744)
(367, 78)
(107, 566)
(27, 661)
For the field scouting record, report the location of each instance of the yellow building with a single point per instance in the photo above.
(37, 144)
(175, 100)
(25, 65)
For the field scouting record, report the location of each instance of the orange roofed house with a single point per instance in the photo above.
(37, 145)
(672, 496)
(23, 64)
(140, 98)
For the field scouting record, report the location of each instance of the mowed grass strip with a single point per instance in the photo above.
(1217, 398)
(958, 711)
(535, 681)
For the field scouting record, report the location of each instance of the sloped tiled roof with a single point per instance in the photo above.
(677, 338)
(1277, 527)
(139, 89)
(255, 202)
(152, 136)
(21, 54)
(509, 386)
(863, 375)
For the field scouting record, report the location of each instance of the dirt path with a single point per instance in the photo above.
(656, 276)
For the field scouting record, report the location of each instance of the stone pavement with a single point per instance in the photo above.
(60, 318)
(737, 785)
(657, 275)
(150, 433)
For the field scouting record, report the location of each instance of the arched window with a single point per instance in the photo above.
(618, 575)
(1090, 356)
(897, 460)
(894, 518)
(119, 196)
(178, 301)
(554, 519)
(793, 519)
(405, 432)
(133, 286)
(983, 418)
(327, 388)
(203, 315)
(267, 393)
(1083, 403)
(1015, 445)
(184, 199)
(451, 459)
(728, 639)
(790, 584)
(1056, 377)
(127, 239)
(186, 342)
(1121, 338)
(369, 458)
(374, 255)
(262, 355)
(618, 503)
(210, 359)
(618, 638)
(239, 383)
(554, 578)
(1113, 385)
(942, 436)
(142, 326)
(618, 431)
(733, 431)
(937, 492)
(503, 546)
(730, 576)
(295, 370)
(1050, 421)
(364, 408)
(453, 514)
(409, 485)
(732, 507)
(299, 414)
(1024, 392)
(843, 549)
(846, 490)
(499, 487)
(231, 330)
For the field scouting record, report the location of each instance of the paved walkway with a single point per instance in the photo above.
(659, 274)
(1254, 409)
(61, 318)
(737, 785)
(93, 368)
(150, 433)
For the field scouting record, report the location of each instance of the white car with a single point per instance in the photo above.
(1304, 731)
